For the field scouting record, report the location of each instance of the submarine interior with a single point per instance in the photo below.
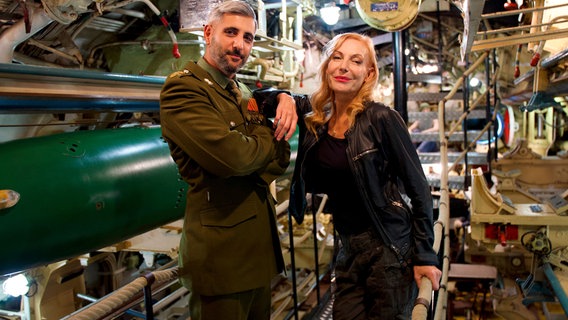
(92, 205)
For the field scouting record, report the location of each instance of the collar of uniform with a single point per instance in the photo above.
(217, 75)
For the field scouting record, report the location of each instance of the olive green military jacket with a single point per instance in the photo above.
(229, 242)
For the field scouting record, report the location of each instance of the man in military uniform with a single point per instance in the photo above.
(224, 149)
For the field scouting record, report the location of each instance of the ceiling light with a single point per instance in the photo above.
(330, 13)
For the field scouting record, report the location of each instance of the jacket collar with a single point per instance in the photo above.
(209, 75)
(217, 75)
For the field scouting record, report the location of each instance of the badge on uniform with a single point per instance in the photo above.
(253, 114)
(252, 106)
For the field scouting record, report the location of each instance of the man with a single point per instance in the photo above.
(230, 249)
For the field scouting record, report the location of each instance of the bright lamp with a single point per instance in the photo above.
(16, 286)
(330, 14)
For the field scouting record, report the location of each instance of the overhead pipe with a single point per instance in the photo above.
(67, 90)
(94, 50)
(17, 34)
(171, 33)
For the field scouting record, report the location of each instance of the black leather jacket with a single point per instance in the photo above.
(380, 153)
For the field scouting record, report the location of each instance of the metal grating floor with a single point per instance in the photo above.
(326, 313)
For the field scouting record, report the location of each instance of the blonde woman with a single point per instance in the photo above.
(358, 152)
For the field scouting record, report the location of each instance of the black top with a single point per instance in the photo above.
(328, 172)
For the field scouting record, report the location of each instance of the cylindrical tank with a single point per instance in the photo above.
(81, 191)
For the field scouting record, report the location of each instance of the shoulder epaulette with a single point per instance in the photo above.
(180, 73)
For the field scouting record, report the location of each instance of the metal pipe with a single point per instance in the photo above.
(137, 43)
(38, 89)
(11, 38)
(315, 236)
(400, 94)
(158, 306)
(75, 59)
(148, 296)
(132, 13)
(556, 287)
(293, 266)
(171, 33)
(501, 14)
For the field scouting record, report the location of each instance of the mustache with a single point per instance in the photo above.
(236, 52)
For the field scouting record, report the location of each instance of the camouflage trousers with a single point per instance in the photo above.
(370, 281)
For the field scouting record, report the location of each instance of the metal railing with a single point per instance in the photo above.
(441, 230)
(119, 301)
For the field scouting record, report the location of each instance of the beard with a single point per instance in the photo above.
(225, 63)
(223, 59)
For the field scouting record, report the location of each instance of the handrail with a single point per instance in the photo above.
(441, 232)
(117, 299)
(519, 35)
(473, 16)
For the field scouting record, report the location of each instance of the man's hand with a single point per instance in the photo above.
(286, 117)
(430, 272)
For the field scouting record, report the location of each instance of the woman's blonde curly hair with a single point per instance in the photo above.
(324, 96)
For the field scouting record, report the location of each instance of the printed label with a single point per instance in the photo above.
(384, 6)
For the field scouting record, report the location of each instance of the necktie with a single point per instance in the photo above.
(235, 91)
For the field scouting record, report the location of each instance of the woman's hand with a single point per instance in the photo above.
(430, 272)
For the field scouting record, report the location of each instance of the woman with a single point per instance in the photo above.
(358, 151)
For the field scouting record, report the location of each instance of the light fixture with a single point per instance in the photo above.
(16, 286)
(474, 82)
(330, 13)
